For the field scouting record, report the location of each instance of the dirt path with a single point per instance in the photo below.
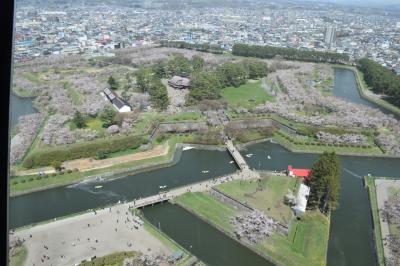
(87, 164)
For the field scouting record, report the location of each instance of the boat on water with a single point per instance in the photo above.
(231, 161)
(97, 187)
(269, 157)
(186, 148)
(162, 186)
(205, 171)
(249, 155)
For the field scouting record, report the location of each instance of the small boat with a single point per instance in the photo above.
(269, 157)
(231, 161)
(162, 186)
(205, 171)
(249, 155)
(97, 187)
(187, 148)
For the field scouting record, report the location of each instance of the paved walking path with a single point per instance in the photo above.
(70, 240)
(382, 186)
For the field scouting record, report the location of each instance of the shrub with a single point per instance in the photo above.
(81, 150)
(69, 171)
(15, 182)
(76, 170)
(45, 176)
(61, 173)
(23, 180)
(53, 174)
(38, 177)
(30, 179)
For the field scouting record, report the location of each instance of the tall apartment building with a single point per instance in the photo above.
(330, 35)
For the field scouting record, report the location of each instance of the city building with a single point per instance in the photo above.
(330, 35)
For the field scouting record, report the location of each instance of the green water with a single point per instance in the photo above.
(201, 239)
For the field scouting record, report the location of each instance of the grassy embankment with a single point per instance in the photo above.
(247, 96)
(18, 257)
(370, 184)
(308, 237)
(266, 195)
(114, 259)
(209, 209)
(309, 145)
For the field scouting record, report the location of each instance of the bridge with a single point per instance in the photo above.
(240, 161)
(196, 187)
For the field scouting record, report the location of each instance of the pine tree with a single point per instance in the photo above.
(113, 83)
(325, 183)
(79, 120)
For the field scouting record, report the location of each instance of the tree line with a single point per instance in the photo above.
(381, 79)
(206, 83)
(324, 182)
(288, 53)
(202, 47)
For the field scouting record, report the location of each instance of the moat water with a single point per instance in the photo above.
(19, 107)
(350, 241)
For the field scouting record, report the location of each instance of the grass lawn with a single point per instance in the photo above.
(96, 124)
(114, 259)
(19, 256)
(269, 200)
(74, 95)
(209, 208)
(248, 95)
(280, 137)
(306, 243)
(369, 181)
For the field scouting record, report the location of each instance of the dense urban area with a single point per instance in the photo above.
(78, 27)
(155, 132)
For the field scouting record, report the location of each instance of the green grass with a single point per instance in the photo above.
(369, 181)
(114, 259)
(306, 244)
(74, 95)
(307, 241)
(269, 200)
(248, 95)
(209, 208)
(96, 124)
(19, 256)
(290, 144)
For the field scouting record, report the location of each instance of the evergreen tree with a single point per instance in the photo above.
(143, 79)
(179, 65)
(159, 70)
(197, 63)
(107, 116)
(112, 83)
(79, 120)
(325, 183)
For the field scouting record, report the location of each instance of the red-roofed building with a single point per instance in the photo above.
(298, 172)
